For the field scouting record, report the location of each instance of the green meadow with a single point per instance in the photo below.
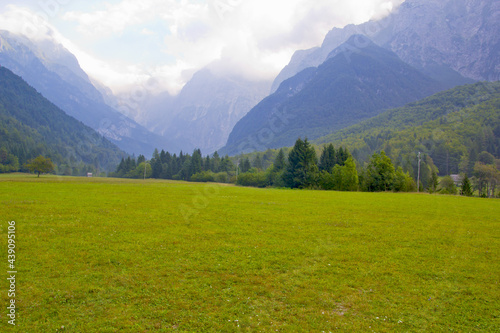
(108, 255)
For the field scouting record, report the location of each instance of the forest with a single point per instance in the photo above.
(31, 126)
(300, 168)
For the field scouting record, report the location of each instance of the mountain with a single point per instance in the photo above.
(30, 125)
(454, 41)
(355, 83)
(452, 127)
(56, 74)
(206, 110)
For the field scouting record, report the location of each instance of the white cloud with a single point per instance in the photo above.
(253, 38)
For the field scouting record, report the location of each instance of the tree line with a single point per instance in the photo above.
(300, 168)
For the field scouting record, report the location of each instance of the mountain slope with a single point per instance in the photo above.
(208, 107)
(30, 125)
(451, 40)
(55, 73)
(452, 127)
(352, 85)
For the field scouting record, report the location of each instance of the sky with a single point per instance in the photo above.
(125, 43)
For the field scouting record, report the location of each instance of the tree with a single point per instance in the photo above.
(433, 182)
(380, 173)
(245, 165)
(302, 169)
(447, 186)
(349, 174)
(403, 182)
(8, 162)
(486, 158)
(196, 163)
(257, 163)
(279, 162)
(328, 159)
(40, 165)
(488, 178)
(466, 187)
(215, 163)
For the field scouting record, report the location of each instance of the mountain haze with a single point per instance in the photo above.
(30, 125)
(204, 113)
(353, 84)
(455, 41)
(55, 73)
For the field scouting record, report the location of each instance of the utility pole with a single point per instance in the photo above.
(145, 169)
(418, 178)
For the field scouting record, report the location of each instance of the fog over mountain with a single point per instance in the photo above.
(56, 74)
(440, 37)
(353, 84)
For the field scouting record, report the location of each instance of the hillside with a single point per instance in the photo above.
(55, 73)
(451, 127)
(354, 84)
(30, 125)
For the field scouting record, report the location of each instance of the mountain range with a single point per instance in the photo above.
(353, 84)
(30, 125)
(56, 74)
(453, 41)
(423, 47)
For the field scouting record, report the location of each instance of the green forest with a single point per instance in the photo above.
(31, 126)
(451, 133)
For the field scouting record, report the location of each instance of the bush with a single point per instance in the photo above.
(203, 177)
(254, 179)
(447, 186)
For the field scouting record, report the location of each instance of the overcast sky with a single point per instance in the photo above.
(124, 42)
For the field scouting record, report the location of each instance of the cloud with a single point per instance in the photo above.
(250, 38)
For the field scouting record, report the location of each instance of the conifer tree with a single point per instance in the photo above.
(466, 187)
(328, 158)
(279, 162)
(302, 169)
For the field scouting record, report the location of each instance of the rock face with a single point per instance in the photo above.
(55, 73)
(357, 81)
(206, 110)
(455, 41)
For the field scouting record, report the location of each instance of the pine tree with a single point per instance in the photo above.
(257, 163)
(279, 162)
(466, 187)
(328, 158)
(302, 169)
(245, 165)
(196, 163)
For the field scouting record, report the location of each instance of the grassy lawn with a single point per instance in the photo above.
(107, 255)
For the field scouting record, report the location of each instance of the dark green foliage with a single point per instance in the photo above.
(451, 129)
(302, 169)
(245, 165)
(31, 126)
(328, 158)
(183, 167)
(403, 182)
(433, 182)
(279, 162)
(487, 179)
(486, 158)
(467, 187)
(257, 163)
(380, 173)
(447, 186)
(8, 162)
(255, 179)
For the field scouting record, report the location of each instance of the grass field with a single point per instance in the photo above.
(107, 255)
